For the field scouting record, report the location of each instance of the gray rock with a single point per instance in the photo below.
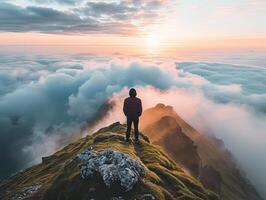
(26, 192)
(113, 166)
(117, 198)
(48, 158)
(148, 197)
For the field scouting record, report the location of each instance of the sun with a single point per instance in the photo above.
(153, 41)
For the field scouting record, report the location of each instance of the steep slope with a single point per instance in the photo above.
(218, 170)
(64, 175)
(179, 146)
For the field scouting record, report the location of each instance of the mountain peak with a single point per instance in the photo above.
(203, 155)
(104, 166)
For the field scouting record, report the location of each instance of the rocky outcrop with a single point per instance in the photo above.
(113, 166)
(47, 158)
(27, 191)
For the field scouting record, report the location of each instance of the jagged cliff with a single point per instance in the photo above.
(205, 157)
(104, 166)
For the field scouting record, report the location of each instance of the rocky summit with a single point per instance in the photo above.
(102, 166)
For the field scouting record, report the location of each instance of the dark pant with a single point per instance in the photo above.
(135, 121)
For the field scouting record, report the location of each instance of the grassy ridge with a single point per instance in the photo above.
(60, 178)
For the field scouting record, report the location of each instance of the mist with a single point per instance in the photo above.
(241, 129)
(46, 103)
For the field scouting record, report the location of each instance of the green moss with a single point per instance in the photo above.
(165, 180)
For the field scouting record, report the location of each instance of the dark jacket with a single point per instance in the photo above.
(132, 107)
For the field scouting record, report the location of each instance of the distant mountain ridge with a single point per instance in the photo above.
(205, 157)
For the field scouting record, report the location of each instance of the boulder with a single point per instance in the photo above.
(113, 166)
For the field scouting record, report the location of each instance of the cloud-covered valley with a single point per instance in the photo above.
(238, 84)
(48, 101)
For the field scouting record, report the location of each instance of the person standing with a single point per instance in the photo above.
(132, 109)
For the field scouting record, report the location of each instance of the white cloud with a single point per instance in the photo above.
(44, 100)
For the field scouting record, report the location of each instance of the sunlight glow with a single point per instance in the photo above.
(153, 41)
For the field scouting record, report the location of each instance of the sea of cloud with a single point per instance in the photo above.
(238, 84)
(46, 101)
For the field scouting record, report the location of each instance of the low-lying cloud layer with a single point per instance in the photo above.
(65, 17)
(238, 84)
(45, 102)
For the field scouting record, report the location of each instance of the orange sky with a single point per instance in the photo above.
(115, 26)
(115, 43)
